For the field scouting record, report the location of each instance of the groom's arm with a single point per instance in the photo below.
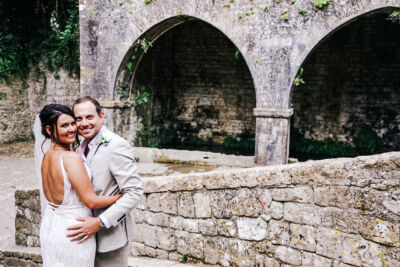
(123, 168)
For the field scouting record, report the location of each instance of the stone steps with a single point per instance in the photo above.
(19, 256)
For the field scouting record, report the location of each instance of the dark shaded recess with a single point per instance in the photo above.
(196, 83)
(353, 84)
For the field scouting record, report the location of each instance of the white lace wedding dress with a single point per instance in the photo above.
(57, 249)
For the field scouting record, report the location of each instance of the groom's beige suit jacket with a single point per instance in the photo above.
(114, 170)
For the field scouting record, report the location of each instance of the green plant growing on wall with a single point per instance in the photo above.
(320, 4)
(299, 78)
(144, 44)
(246, 14)
(285, 15)
(142, 98)
(123, 89)
(395, 16)
(3, 96)
(293, 2)
(303, 12)
(183, 258)
(237, 54)
(265, 9)
(147, 2)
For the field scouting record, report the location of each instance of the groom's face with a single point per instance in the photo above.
(88, 121)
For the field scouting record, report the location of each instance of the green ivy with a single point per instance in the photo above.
(299, 78)
(320, 4)
(38, 31)
(395, 16)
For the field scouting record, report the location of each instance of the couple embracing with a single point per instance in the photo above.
(88, 193)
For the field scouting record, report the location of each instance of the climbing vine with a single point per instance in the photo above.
(44, 31)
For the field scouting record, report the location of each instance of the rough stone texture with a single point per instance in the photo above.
(319, 231)
(16, 258)
(273, 49)
(24, 99)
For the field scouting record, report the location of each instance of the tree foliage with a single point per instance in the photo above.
(38, 31)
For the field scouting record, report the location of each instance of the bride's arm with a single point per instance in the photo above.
(80, 181)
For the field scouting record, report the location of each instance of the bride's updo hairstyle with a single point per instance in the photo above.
(49, 116)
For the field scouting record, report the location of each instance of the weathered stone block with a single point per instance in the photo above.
(302, 194)
(278, 232)
(344, 220)
(176, 222)
(168, 203)
(138, 215)
(190, 244)
(243, 202)
(142, 205)
(165, 238)
(251, 229)
(275, 210)
(149, 235)
(208, 227)
(151, 252)
(303, 237)
(226, 227)
(153, 202)
(270, 262)
(351, 249)
(162, 254)
(212, 251)
(302, 213)
(333, 196)
(190, 225)
(314, 260)
(288, 255)
(186, 205)
(380, 231)
(140, 231)
(266, 197)
(138, 249)
(202, 205)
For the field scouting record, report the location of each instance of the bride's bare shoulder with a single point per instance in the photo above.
(71, 156)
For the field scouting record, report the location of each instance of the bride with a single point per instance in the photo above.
(67, 190)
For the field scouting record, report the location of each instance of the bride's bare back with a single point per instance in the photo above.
(52, 177)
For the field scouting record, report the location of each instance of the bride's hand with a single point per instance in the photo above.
(119, 196)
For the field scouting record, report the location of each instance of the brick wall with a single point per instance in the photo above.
(341, 212)
(352, 79)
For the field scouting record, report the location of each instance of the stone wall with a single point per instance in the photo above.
(341, 212)
(27, 218)
(20, 259)
(23, 99)
(351, 80)
(197, 86)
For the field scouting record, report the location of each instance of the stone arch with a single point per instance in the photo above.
(127, 76)
(344, 116)
(302, 49)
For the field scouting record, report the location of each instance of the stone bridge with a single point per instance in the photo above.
(274, 39)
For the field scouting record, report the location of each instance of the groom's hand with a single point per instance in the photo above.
(82, 231)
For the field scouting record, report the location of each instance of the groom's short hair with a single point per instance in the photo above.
(88, 99)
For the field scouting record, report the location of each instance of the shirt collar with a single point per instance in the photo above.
(91, 143)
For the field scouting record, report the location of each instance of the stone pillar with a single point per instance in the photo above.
(272, 135)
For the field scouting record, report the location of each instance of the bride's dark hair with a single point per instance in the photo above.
(49, 116)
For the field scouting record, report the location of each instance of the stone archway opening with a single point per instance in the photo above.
(187, 87)
(349, 102)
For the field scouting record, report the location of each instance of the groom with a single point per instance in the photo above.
(111, 161)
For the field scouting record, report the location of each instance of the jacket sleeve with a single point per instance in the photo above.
(123, 167)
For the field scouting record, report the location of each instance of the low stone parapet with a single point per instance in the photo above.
(335, 212)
